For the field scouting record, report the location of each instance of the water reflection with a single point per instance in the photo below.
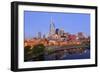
(68, 56)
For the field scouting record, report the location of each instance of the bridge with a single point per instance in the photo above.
(62, 48)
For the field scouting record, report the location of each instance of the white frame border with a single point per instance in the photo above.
(22, 64)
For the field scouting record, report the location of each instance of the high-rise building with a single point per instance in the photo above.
(44, 36)
(61, 32)
(57, 31)
(52, 27)
(39, 35)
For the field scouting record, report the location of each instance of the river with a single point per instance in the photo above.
(84, 55)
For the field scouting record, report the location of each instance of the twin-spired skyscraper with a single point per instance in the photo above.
(52, 27)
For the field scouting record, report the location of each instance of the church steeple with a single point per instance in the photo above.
(52, 27)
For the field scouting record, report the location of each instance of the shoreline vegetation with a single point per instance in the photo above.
(39, 51)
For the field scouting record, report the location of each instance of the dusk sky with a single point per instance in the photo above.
(73, 23)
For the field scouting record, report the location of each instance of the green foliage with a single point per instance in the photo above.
(38, 49)
(38, 52)
(27, 49)
(49, 50)
(27, 53)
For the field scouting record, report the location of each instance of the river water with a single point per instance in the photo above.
(84, 55)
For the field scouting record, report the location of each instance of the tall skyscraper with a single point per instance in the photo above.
(57, 31)
(39, 35)
(52, 27)
(44, 36)
(61, 32)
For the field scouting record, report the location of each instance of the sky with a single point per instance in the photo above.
(73, 23)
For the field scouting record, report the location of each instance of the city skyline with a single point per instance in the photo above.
(34, 20)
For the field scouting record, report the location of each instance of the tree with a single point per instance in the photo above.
(38, 52)
(27, 53)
